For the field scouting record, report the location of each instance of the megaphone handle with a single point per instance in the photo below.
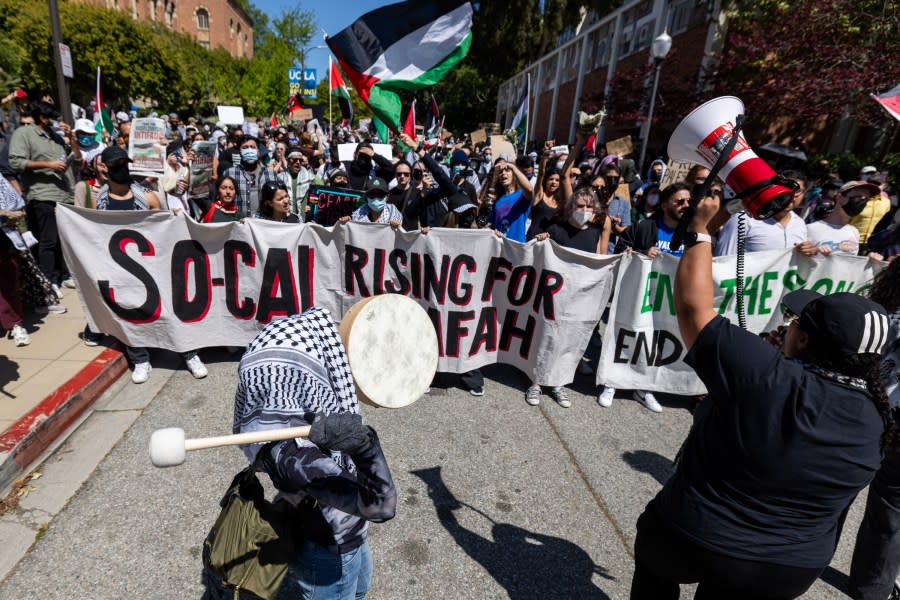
(688, 215)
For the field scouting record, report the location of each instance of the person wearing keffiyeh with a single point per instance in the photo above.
(294, 373)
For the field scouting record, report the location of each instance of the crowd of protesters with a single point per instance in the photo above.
(580, 198)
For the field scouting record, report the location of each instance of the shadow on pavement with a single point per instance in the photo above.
(9, 372)
(644, 461)
(527, 564)
(836, 579)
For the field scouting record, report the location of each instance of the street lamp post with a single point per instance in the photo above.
(658, 49)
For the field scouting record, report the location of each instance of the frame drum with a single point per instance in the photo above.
(392, 348)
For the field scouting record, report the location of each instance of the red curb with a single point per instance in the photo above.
(28, 437)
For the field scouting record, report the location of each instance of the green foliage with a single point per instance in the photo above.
(138, 61)
(265, 84)
(506, 37)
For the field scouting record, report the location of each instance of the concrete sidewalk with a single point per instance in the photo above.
(46, 387)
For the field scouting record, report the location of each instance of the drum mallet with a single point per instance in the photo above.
(168, 446)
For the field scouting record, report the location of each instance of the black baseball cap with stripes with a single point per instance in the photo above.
(848, 323)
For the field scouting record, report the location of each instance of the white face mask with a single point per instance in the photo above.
(582, 217)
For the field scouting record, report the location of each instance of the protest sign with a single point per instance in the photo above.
(327, 204)
(642, 348)
(301, 114)
(201, 169)
(478, 136)
(147, 147)
(676, 171)
(619, 147)
(154, 279)
(501, 145)
(231, 115)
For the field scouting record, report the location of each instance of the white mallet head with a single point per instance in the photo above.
(167, 447)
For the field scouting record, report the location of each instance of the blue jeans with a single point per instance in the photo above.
(320, 573)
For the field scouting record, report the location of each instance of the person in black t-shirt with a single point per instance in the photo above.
(584, 226)
(779, 450)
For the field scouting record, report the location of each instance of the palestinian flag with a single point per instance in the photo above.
(340, 91)
(102, 118)
(434, 118)
(405, 46)
(409, 125)
(890, 101)
(520, 121)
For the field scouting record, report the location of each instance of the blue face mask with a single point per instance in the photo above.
(377, 204)
(250, 155)
(85, 140)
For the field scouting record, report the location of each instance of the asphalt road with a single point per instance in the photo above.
(496, 499)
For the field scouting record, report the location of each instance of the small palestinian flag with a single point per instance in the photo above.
(339, 90)
(102, 118)
(405, 46)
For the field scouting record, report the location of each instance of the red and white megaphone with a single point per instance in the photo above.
(701, 137)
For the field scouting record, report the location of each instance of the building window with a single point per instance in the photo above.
(202, 19)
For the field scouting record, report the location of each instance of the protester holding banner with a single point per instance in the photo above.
(509, 194)
(275, 204)
(779, 449)
(376, 209)
(224, 209)
(121, 193)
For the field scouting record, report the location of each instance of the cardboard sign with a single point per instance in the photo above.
(301, 114)
(327, 204)
(620, 147)
(231, 115)
(563, 149)
(501, 145)
(478, 136)
(345, 151)
(676, 171)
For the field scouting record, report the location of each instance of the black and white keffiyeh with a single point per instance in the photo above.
(295, 365)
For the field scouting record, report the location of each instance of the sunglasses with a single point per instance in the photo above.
(401, 174)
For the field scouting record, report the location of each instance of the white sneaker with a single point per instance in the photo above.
(196, 367)
(20, 336)
(56, 291)
(648, 400)
(51, 308)
(69, 283)
(606, 397)
(141, 372)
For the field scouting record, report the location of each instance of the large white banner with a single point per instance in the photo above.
(642, 348)
(159, 280)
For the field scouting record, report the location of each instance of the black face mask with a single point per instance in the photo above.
(612, 182)
(855, 206)
(655, 176)
(466, 219)
(120, 174)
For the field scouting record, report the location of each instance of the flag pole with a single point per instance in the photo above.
(527, 112)
(330, 87)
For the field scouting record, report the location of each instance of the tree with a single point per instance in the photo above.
(265, 83)
(506, 36)
(815, 60)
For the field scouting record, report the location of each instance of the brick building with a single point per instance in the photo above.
(213, 23)
(588, 58)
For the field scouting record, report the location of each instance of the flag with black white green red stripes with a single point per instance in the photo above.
(405, 46)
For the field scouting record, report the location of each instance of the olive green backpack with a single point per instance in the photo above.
(251, 543)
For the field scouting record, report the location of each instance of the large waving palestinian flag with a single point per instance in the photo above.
(402, 47)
